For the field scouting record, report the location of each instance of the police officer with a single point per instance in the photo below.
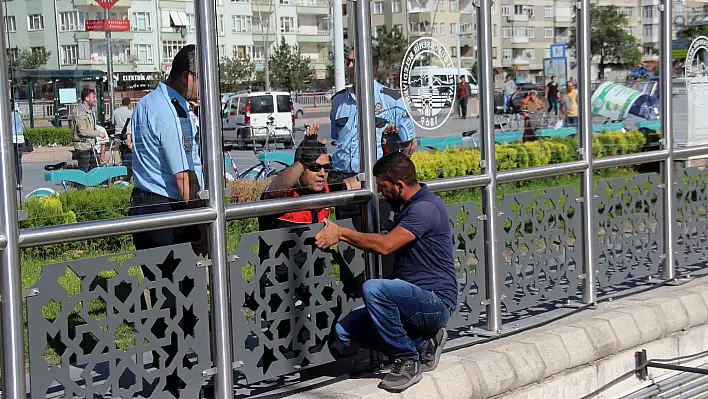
(392, 122)
(86, 132)
(167, 166)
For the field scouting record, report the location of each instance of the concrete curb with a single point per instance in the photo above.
(591, 340)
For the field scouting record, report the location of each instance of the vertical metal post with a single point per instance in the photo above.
(365, 115)
(489, 195)
(210, 131)
(109, 65)
(338, 39)
(667, 172)
(11, 322)
(584, 58)
(30, 100)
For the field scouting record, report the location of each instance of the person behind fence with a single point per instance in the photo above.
(569, 105)
(86, 132)
(18, 141)
(552, 95)
(167, 165)
(532, 110)
(404, 317)
(509, 90)
(121, 120)
(464, 93)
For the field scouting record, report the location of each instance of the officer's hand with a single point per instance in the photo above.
(328, 236)
(391, 129)
(311, 132)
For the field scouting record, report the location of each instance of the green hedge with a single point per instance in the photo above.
(44, 136)
(465, 161)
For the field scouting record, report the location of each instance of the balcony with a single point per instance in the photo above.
(651, 38)
(313, 7)
(507, 62)
(92, 3)
(421, 16)
(563, 15)
(263, 6)
(260, 35)
(519, 40)
(316, 35)
(647, 3)
(521, 61)
(518, 18)
(653, 20)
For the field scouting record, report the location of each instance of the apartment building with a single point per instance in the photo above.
(159, 28)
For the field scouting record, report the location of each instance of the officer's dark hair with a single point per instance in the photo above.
(85, 92)
(394, 167)
(184, 61)
(125, 101)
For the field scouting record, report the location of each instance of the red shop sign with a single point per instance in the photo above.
(102, 25)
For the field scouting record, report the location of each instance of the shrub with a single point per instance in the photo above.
(48, 211)
(43, 136)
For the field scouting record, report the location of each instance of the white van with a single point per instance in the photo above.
(257, 118)
(437, 85)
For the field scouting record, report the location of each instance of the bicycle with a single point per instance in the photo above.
(270, 131)
(266, 160)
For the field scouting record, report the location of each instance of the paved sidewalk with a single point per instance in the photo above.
(48, 154)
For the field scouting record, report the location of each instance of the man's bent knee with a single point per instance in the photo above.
(372, 288)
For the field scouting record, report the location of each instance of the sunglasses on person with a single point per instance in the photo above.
(316, 167)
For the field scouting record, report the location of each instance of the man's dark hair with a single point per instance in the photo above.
(553, 76)
(125, 101)
(85, 92)
(394, 167)
(184, 61)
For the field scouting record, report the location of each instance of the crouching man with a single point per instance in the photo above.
(405, 317)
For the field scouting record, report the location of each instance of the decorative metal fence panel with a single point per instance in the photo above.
(542, 254)
(104, 337)
(692, 225)
(286, 296)
(468, 243)
(631, 235)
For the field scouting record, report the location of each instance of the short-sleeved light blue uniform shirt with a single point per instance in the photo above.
(390, 107)
(164, 142)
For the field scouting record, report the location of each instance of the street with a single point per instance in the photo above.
(33, 176)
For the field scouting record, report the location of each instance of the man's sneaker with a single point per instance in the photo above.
(430, 355)
(404, 373)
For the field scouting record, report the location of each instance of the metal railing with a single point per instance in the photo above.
(510, 256)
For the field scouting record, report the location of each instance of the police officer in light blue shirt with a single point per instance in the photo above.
(391, 116)
(167, 162)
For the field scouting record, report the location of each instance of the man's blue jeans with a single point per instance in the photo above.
(397, 319)
(507, 103)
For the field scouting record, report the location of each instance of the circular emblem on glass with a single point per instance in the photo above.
(428, 81)
(697, 71)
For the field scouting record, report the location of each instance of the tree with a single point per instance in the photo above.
(288, 69)
(691, 32)
(608, 39)
(235, 73)
(330, 65)
(391, 46)
(24, 58)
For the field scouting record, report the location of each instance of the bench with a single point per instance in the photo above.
(562, 132)
(508, 137)
(286, 158)
(439, 143)
(608, 127)
(94, 177)
(654, 125)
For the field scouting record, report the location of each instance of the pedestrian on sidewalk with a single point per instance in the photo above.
(86, 132)
(404, 317)
(552, 95)
(509, 90)
(464, 92)
(121, 121)
(18, 141)
(569, 105)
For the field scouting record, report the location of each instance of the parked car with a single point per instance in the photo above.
(257, 117)
(225, 97)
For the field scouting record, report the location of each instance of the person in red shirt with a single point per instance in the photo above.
(464, 92)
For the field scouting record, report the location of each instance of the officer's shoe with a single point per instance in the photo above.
(430, 355)
(404, 373)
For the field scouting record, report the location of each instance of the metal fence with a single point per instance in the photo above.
(232, 316)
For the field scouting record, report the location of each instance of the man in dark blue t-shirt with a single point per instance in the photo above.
(405, 317)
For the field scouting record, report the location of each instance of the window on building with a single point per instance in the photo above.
(71, 21)
(114, 15)
(628, 31)
(241, 23)
(243, 52)
(396, 6)
(494, 7)
(548, 12)
(344, 9)
(378, 30)
(144, 53)
(378, 7)
(548, 33)
(649, 12)
(440, 5)
(530, 54)
(506, 53)
(35, 22)
(170, 48)
(399, 27)
(287, 25)
(494, 30)
(70, 54)
(530, 11)
(520, 31)
(191, 23)
(258, 52)
(453, 5)
(453, 29)
(531, 32)
(547, 53)
(629, 11)
(519, 10)
(453, 51)
(142, 22)
(648, 31)
(10, 24)
(494, 52)
(221, 24)
(506, 10)
(506, 32)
